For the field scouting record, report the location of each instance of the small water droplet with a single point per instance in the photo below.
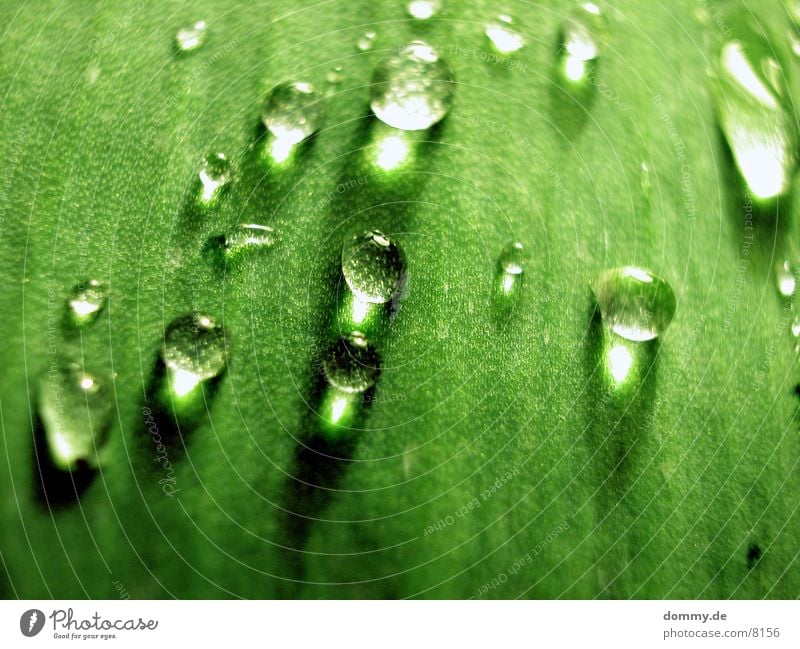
(194, 351)
(634, 303)
(786, 276)
(795, 326)
(352, 364)
(294, 110)
(794, 41)
(335, 75)
(86, 301)
(248, 236)
(76, 410)
(413, 89)
(423, 9)
(191, 38)
(585, 36)
(792, 8)
(215, 173)
(366, 41)
(513, 259)
(373, 267)
(760, 131)
(504, 38)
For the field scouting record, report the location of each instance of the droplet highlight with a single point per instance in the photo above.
(786, 278)
(352, 364)
(373, 267)
(634, 303)
(412, 89)
(585, 35)
(423, 9)
(216, 172)
(366, 41)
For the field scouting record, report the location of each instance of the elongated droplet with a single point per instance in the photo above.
(373, 267)
(293, 111)
(86, 302)
(215, 173)
(786, 276)
(194, 351)
(76, 410)
(413, 89)
(248, 236)
(504, 38)
(634, 303)
(191, 38)
(423, 9)
(352, 364)
(750, 100)
(366, 41)
(509, 278)
(585, 36)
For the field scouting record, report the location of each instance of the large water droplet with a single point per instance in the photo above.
(412, 89)
(423, 9)
(294, 111)
(585, 36)
(511, 267)
(634, 303)
(749, 96)
(504, 38)
(366, 41)
(191, 38)
(76, 410)
(373, 267)
(352, 364)
(86, 301)
(215, 173)
(513, 259)
(194, 351)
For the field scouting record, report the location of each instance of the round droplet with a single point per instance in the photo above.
(76, 410)
(423, 9)
(373, 267)
(215, 172)
(294, 110)
(504, 38)
(352, 364)
(366, 41)
(248, 236)
(586, 32)
(749, 95)
(795, 326)
(86, 301)
(191, 38)
(634, 303)
(335, 75)
(786, 274)
(194, 350)
(413, 89)
(513, 259)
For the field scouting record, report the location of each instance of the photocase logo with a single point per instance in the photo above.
(31, 622)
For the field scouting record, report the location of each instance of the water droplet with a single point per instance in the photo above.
(513, 259)
(215, 173)
(86, 301)
(423, 9)
(794, 41)
(76, 410)
(191, 38)
(504, 38)
(373, 267)
(413, 89)
(786, 276)
(795, 326)
(585, 36)
(335, 75)
(294, 111)
(792, 8)
(352, 364)
(760, 131)
(248, 236)
(366, 41)
(194, 351)
(634, 303)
